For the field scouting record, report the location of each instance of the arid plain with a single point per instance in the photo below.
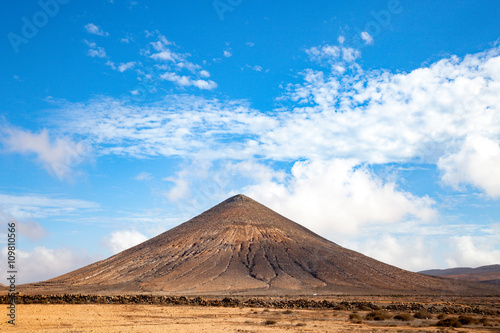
(241, 267)
(481, 315)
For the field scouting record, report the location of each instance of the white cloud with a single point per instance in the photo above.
(180, 190)
(95, 30)
(204, 85)
(125, 66)
(476, 163)
(367, 37)
(175, 63)
(165, 55)
(333, 55)
(111, 64)
(57, 157)
(98, 52)
(29, 228)
(424, 116)
(189, 180)
(204, 74)
(411, 253)
(32, 229)
(474, 251)
(143, 176)
(127, 39)
(340, 197)
(250, 44)
(227, 54)
(259, 173)
(186, 81)
(43, 263)
(32, 206)
(124, 239)
(94, 50)
(177, 126)
(379, 117)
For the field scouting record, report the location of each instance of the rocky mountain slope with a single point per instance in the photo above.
(242, 247)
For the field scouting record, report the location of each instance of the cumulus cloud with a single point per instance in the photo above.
(186, 81)
(204, 74)
(340, 197)
(338, 57)
(44, 263)
(433, 114)
(199, 177)
(429, 115)
(227, 54)
(94, 50)
(472, 251)
(56, 156)
(181, 188)
(32, 230)
(476, 163)
(95, 30)
(123, 239)
(256, 68)
(125, 66)
(367, 37)
(411, 253)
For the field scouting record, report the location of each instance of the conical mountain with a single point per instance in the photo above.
(243, 247)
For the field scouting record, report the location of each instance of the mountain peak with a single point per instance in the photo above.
(239, 198)
(241, 246)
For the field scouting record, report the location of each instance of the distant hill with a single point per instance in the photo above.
(484, 274)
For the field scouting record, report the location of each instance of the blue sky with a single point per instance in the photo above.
(373, 123)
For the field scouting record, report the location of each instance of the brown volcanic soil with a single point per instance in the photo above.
(243, 247)
(183, 318)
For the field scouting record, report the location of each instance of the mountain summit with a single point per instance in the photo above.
(243, 247)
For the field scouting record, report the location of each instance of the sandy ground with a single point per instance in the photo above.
(156, 318)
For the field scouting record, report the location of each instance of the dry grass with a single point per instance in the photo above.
(449, 322)
(403, 317)
(423, 314)
(378, 315)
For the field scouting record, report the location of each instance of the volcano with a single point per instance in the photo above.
(242, 247)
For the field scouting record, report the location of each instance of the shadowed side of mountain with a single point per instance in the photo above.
(243, 247)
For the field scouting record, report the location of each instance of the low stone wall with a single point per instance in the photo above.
(248, 302)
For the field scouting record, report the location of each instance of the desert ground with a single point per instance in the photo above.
(483, 316)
